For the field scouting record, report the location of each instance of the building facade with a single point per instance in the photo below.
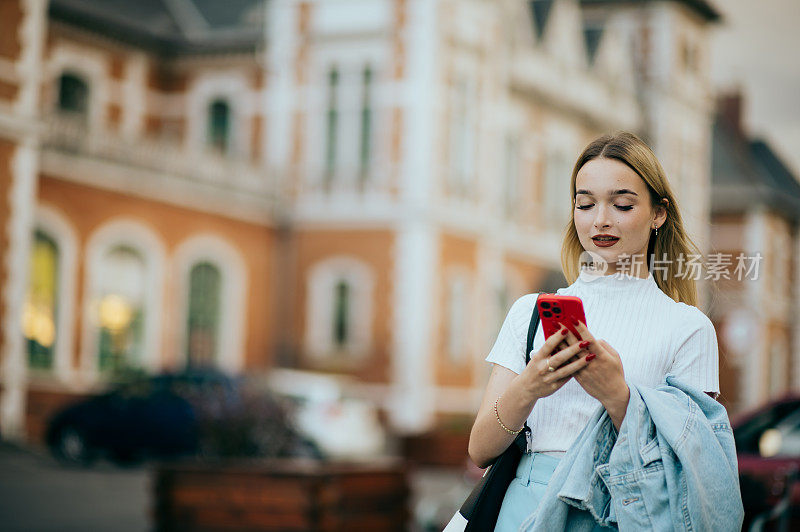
(359, 187)
(756, 215)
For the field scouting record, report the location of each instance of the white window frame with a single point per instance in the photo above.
(321, 283)
(349, 59)
(232, 87)
(93, 67)
(137, 236)
(233, 289)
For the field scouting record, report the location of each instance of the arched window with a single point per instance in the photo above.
(341, 314)
(120, 309)
(73, 95)
(219, 125)
(339, 308)
(39, 315)
(205, 283)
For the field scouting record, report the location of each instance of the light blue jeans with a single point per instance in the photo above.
(526, 490)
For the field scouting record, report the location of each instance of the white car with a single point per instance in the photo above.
(342, 426)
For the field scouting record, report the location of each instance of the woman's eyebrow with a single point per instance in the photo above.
(618, 192)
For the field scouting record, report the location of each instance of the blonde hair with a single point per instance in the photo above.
(672, 240)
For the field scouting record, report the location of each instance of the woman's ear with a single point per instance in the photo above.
(661, 211)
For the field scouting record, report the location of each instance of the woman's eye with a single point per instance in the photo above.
(590, 205)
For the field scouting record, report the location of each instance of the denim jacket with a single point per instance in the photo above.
(672, 466)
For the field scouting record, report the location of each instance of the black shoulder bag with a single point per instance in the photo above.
(483, 504)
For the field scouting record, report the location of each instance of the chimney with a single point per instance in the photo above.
(729, 111)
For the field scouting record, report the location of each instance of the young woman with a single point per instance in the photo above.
(640, 324)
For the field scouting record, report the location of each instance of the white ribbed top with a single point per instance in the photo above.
(652, 333)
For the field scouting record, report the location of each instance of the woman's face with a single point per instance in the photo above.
(611, 199)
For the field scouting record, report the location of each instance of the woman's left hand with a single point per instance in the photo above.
(603, 378)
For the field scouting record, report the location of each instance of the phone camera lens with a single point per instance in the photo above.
(545, 304)
(557, 310)
(547, 314)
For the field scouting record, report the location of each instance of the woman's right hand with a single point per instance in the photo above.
(509, 397)
(562, 350)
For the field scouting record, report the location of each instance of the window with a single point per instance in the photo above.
(219, 123)
(339, 309)
(210, 319)
(73, 95)
(120, 309)
(331, 125)
(39, 314)
(341, 314)
(689, 55)
(205, 283)
(365, 144)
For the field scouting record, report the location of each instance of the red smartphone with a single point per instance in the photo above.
(555, 310)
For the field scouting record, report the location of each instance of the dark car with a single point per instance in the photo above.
(768, 449)
(194, 413)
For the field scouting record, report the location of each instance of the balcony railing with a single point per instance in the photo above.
(70, 134)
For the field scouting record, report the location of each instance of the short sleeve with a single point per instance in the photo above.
(509, 348)
(696, 359)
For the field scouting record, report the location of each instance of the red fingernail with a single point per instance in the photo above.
(590, 356)
(574, 321)
(564, 332)
(584, 344)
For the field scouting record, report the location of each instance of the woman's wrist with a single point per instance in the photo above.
(526, 388)
(520, 396)
(617, 405)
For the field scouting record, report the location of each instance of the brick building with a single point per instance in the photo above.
(755, 213)
(359, 187)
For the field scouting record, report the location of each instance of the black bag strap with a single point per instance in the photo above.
(532, 330)
(483, 504)
(529, 347)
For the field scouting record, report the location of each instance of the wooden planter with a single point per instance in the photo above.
(282, 495)
(437, 449)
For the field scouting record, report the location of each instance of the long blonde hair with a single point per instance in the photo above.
(672, 240)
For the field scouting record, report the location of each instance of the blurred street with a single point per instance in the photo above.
(38, 494)
(256, 252)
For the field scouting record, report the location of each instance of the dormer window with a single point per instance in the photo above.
(219, 125)
(73, 95)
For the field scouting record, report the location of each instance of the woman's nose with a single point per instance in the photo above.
(601, 218)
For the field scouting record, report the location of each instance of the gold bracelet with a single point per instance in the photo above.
(501, 423)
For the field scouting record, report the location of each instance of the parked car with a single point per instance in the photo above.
(194, 413)
(768, 449)
(326, 411)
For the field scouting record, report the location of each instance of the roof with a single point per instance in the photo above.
(540, 11)
(170, 26)
(703, 8)
(747, 172)
(592, 35)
